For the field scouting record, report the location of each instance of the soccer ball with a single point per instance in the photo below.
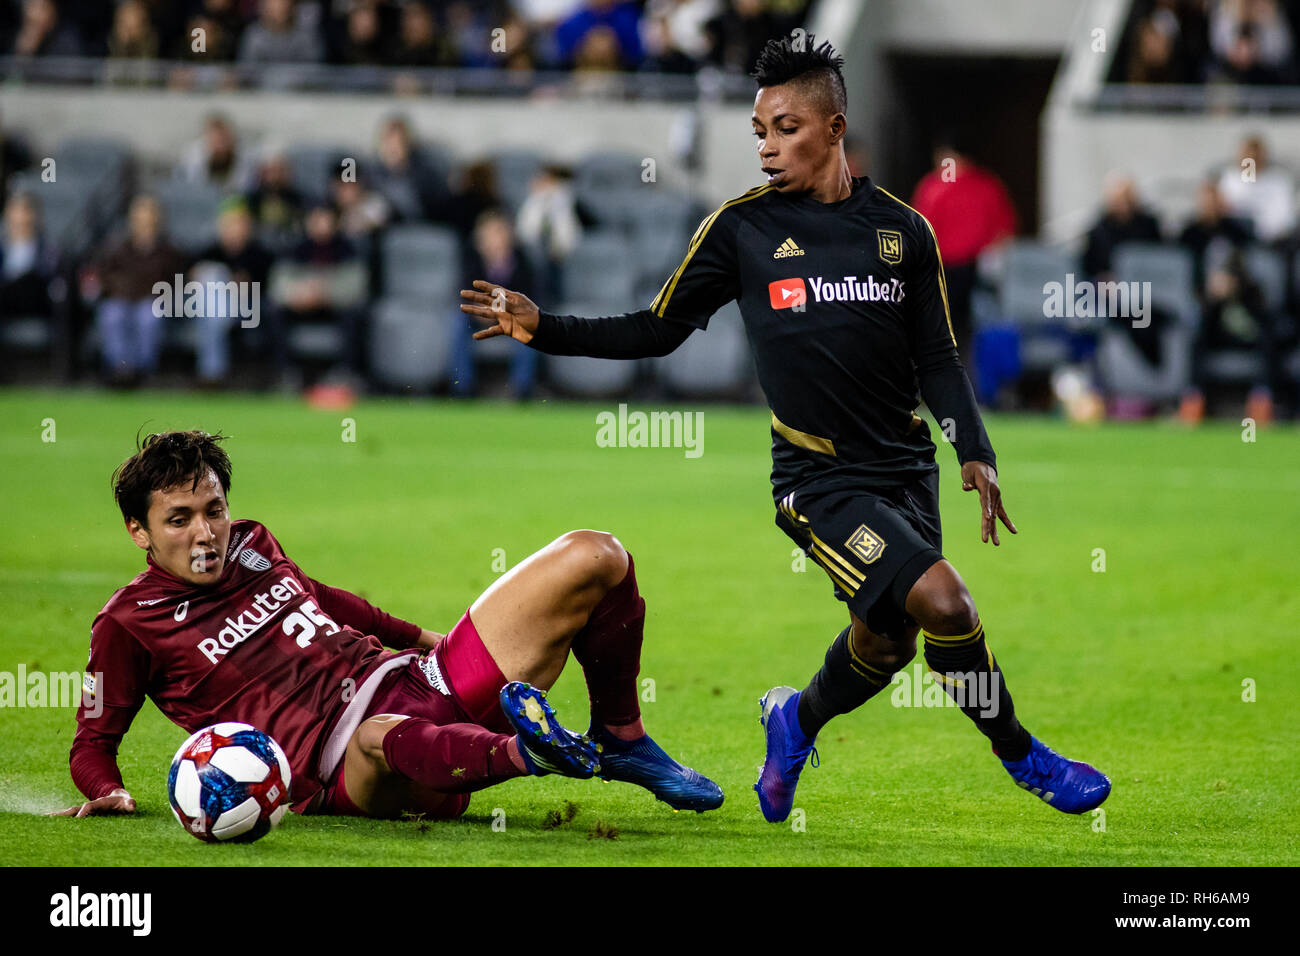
(229, 782)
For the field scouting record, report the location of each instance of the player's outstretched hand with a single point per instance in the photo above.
(116, 803)
(503, 311)
(981, 475)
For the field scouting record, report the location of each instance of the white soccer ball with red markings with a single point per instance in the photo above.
(229, 782)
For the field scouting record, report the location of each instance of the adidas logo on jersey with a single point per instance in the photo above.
(787, 249)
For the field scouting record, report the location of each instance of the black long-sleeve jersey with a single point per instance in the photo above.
(846, 309)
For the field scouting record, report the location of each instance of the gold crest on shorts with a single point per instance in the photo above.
(866, 544)
(891, 246)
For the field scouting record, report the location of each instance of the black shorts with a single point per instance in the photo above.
(874, 545)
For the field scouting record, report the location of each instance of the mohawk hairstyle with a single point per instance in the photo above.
(164, 461)
(816, 68)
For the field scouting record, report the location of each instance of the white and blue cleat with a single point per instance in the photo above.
(787, 751)
(1070, 786)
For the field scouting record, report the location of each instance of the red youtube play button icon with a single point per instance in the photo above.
(787, 293)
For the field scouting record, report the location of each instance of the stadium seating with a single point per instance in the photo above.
(190, 210)
(1027, 266)
(420, 262)
(1123, 370)
(602, 172)
(313, 167)
(515, 171)
(603, 271)
(410, 344)
(714, 363)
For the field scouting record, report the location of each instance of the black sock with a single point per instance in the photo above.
(964, 666)
(844, 683)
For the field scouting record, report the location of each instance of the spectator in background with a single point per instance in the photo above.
(1155, 55)
(1123, 219)
(221, 26)
(550, 219)
(361, 43)
(1235, 318)
(662, 55)
(970, 210)
(596, 62)
(517, 39)
(43, 33)
(1261, 192)
(363, 213)
(683, 24)
(469, 28)
(738, 34)
(414, 191)
(215, 157)
(236, 256)
(279, 36)
(275, 204)
(494, 255)
(132, 35)
(620, 17)
(29, 262)
(543, 16)
(420, 42)
(476, 192)
(130, 334)
(1212, 224)
(15, 155)
(1252, 43)
(323, 281)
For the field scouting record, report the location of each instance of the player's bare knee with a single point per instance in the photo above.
(951, 610)
(369, 737)
(597, 558)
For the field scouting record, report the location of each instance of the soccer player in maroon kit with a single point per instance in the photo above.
(223, 626)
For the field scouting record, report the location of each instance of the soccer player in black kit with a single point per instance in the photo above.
(843, 296)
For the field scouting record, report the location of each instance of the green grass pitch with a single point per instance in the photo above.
(1140, 668)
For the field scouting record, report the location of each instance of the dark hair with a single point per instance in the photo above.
(798, 58)
(163, 461)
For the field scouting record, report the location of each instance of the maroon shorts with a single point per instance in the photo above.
(457, 682)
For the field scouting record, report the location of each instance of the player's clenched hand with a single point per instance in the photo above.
(981, 475)
(117, 802)
(503, 311)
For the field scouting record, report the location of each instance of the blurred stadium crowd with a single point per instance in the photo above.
(357, 259)
(1158, 311)
(356, 254)
(672, 36)
(1210, 41)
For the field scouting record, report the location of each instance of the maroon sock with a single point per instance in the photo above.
(450, 758)
(609, 650)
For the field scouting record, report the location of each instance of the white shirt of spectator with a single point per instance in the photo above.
(550, 213)
(1269, 202)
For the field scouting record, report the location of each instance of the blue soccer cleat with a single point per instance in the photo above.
(1070, 786)
(644, 763)
(546, 746)
(787, 749)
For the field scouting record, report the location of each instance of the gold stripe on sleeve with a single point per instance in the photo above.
(660, 302)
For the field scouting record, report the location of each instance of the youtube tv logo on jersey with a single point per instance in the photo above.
(787, 293)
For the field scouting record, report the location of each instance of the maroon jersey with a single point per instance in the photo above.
(266, 645)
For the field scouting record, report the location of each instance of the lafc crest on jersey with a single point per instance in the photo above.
(891, 245)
